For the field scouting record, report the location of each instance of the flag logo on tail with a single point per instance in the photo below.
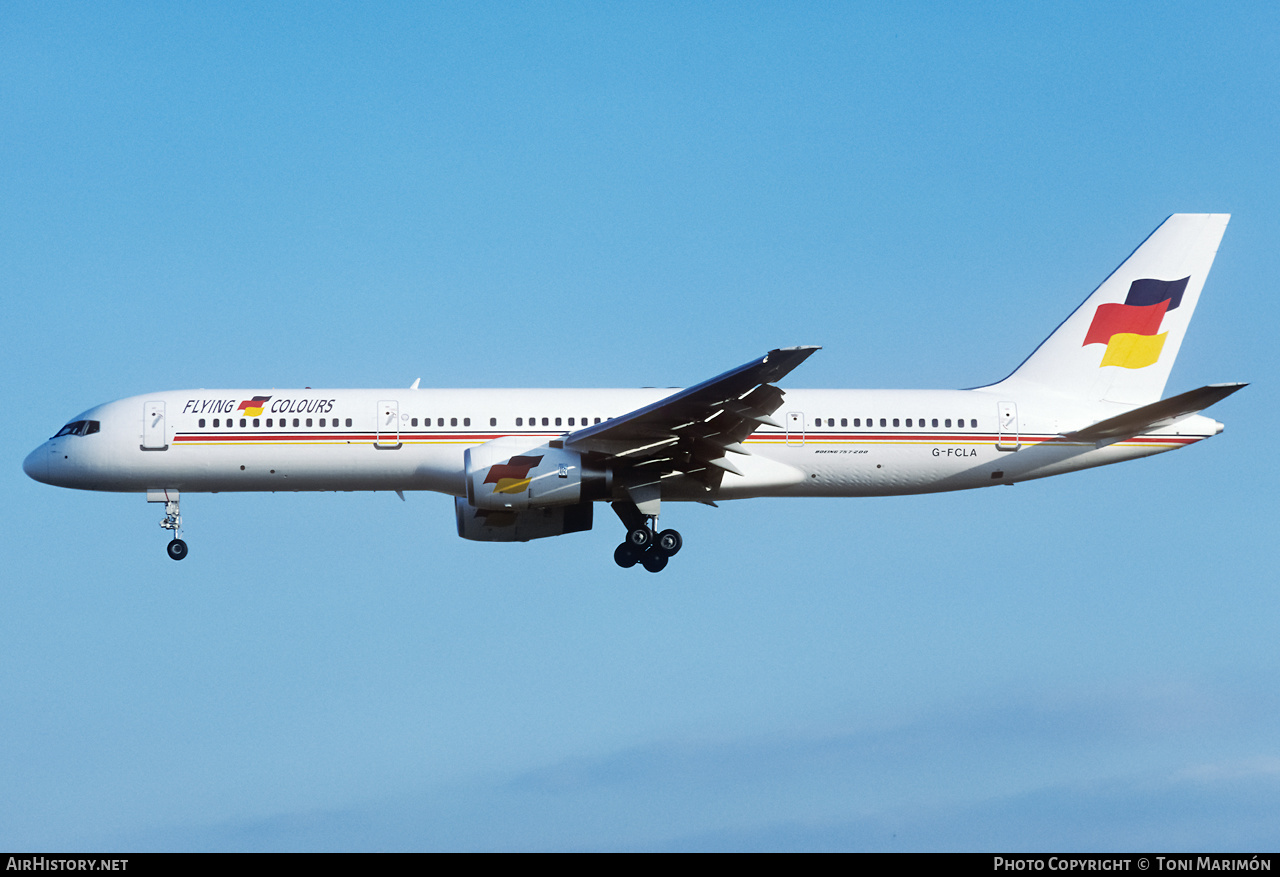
(1131, 331)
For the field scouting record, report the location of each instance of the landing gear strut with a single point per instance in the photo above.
(177, 549)
(644, 545)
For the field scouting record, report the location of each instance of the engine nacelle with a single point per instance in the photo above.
(508, 525)
(506, 474)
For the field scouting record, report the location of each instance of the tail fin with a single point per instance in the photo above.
(1121, 343)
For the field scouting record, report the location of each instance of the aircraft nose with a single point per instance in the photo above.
(37, 464)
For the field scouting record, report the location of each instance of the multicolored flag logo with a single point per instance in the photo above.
(513, 475)
(253, 407)
(1131, 331)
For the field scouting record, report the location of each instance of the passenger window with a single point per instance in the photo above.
(895, 421)
(883, 422)
(215, 423)
(493, 421)
(908, 421)
(439, 421)
(935, 421)
(544, 422)
(244, 421)
(348, 421)
(948, 422)
(308, 421)
(202, 423)
(844, 421)
(519, 421)
(571, 421)
(413, 422)
(973, 424)
(256, 423)
(295, 421)
(857, 421)
(453, 421)
(597, 420)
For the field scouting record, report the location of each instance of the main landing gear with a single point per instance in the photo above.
(644, 544)
(177, 549)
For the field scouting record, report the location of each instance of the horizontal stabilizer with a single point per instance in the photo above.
(1154, 416)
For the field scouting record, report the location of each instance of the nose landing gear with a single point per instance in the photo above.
(177, 549)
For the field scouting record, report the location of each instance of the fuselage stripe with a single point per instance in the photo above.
(454, 438)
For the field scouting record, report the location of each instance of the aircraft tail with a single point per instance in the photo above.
(1121, 343)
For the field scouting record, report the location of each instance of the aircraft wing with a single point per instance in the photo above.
(1154, 416)
(691, 431)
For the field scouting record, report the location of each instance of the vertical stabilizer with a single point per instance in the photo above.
(1121, 343)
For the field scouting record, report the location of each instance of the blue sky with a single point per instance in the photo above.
(625, 195)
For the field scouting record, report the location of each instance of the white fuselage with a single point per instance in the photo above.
(833, 442)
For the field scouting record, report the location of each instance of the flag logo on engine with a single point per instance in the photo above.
(513, 475)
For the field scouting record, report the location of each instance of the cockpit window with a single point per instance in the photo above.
(80, 427)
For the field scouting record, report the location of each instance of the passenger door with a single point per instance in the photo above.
(388, 431)
(1007, 420)
(153, 427)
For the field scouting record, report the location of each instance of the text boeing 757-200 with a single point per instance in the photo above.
(524, 464)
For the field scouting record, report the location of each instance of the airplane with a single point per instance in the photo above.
(527, 464)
